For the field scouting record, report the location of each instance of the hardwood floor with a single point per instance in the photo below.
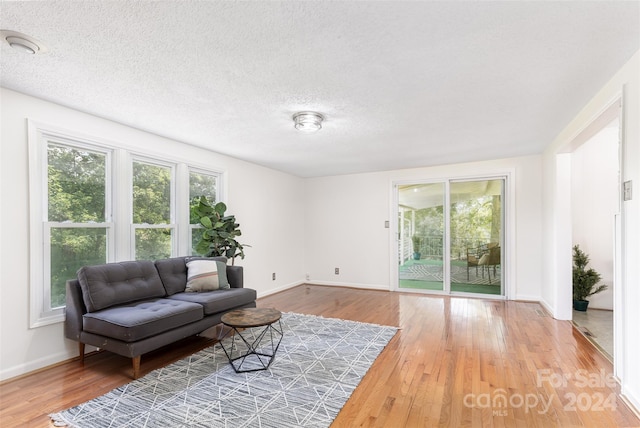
(455, 362)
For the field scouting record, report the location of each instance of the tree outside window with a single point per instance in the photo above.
(152, 211)
(74, 223)
(76, 214)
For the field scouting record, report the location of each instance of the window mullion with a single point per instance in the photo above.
(183, 231)
(77, 164)
(121, 206)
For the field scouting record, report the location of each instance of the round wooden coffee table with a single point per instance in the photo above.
(255, 338)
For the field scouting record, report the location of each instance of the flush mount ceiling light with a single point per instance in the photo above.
(22, 42)
(308, 121)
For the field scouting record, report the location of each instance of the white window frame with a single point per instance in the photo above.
(118, 208)
(175, 238)
(41, 313)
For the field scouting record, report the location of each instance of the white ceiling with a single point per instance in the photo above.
(402, 84)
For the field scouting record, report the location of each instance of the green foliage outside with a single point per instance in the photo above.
(429, 228)
(153, 244)
(70, 250)
(201, 185)
(474, 222)
(76, 185)
(151, 194)
(152, 205)
(76, 193)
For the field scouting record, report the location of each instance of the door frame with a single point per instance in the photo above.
(508, 239)
(610, 110)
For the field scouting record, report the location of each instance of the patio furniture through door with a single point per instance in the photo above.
(450, 236)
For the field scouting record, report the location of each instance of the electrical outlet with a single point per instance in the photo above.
(337, 271)
(627, 192)
(273, 276)
(307, 277)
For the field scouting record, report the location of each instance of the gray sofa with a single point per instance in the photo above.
(131, 308)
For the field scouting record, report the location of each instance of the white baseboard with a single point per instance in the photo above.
(350, 285)
(631, 400)
(31, 366)
(525, 298)
(546, 306)
(329, 283)
(279, 289)
(45, 362)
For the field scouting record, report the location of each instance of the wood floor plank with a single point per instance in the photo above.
(449, 365)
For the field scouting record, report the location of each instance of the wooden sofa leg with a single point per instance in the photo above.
(81, 351)
(136, 366)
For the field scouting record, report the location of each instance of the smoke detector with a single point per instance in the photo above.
(22, 42)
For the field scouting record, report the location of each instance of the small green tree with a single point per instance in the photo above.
(584, 280)
(417, 242)
(220, 232)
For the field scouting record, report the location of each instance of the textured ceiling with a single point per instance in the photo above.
(402, 84)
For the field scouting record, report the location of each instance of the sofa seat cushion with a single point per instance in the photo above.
(139, 320)
(218, 300)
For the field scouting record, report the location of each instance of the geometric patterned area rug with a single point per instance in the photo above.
(319, 363)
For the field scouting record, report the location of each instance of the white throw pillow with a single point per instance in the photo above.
(206, 275)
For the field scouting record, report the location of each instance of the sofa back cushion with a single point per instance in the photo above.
(173, 272)
(112, 284)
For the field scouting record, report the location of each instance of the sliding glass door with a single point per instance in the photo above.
(421, 236)
(450, 236)
(475, 209)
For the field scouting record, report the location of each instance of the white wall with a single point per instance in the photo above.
(268, 205)
(594, 203)
(556, 285)
(345, 218)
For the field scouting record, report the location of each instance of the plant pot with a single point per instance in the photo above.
(416, 256)
(580, 305)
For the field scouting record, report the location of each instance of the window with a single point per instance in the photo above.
(95, 202)
(76, 227)
(201, 183)
(152, 211)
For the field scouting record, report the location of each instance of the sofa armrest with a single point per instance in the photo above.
(235, 276)
(74, 310)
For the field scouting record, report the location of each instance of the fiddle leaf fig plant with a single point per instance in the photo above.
(220, 232)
